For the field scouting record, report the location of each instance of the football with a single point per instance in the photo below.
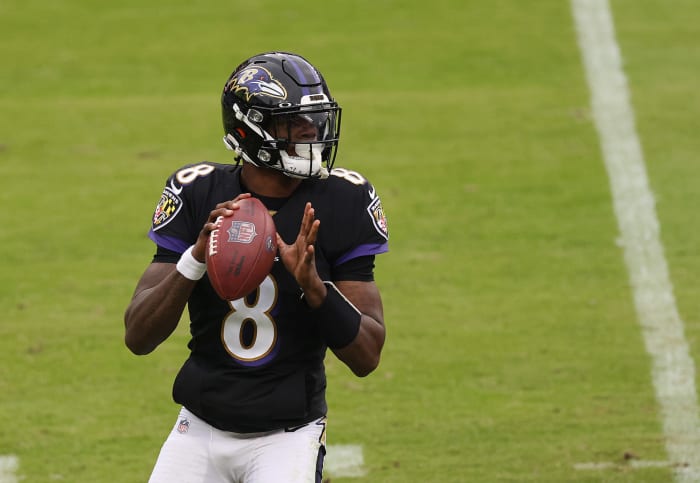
(241, 250)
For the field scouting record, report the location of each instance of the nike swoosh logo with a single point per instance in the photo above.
(175, 190)
(295, 428)
(372, 192)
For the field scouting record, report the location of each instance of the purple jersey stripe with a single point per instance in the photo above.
(169, 242)
(363, 250)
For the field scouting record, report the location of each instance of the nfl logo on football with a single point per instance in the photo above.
(241, 232)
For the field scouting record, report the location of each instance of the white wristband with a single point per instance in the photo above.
(189, 267)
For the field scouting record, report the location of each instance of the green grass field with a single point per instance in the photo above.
(513, 352)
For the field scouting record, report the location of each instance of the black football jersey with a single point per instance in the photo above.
(256, 363)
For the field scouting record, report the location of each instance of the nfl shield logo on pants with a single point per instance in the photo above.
(183, 426)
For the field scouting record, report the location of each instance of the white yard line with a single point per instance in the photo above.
(673, 369)
(606, 465)
(344, 460)
(9, 464)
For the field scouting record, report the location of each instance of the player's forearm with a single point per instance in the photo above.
(155, 312)
(360, 352)
(363, 353)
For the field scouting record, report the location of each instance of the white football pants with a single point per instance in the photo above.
(196, 452)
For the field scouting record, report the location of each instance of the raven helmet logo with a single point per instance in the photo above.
(256, 81)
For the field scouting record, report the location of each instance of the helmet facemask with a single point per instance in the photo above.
(297, 141)
(305, 138)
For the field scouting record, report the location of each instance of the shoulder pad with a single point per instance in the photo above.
(350, 176)
(171, 200)
(371, 201)
(189, 174)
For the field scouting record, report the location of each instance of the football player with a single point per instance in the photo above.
(252, 391)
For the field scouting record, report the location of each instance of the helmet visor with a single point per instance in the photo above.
(304, 126)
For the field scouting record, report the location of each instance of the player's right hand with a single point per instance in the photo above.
(222, 209)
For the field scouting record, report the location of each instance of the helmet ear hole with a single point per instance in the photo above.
(264, 156)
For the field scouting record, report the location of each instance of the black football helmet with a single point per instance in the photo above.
(278, 113)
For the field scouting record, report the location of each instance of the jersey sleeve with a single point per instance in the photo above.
(175, 224)
(361, 228)
(358, 269)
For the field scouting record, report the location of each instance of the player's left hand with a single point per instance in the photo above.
(298, 258)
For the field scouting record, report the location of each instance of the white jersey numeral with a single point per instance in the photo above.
(187, 175)
(352, 176)
(264, 330)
